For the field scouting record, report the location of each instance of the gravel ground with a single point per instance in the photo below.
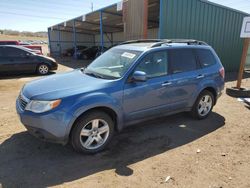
(210, 153)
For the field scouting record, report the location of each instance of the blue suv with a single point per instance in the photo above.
(132, 82)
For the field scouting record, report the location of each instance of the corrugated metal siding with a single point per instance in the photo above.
(218, 26)
(133, 19)
(153, 33)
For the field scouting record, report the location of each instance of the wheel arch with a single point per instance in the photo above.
(109, 111)
(212, 90)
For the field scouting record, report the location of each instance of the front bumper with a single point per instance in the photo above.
(54, 66)
(52, 126)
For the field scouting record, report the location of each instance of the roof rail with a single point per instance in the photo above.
(159, 42)
(141, 41)
(188, 41)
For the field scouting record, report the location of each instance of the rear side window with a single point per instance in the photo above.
(182, 60)
(206, 57)
(14, 52)
(1, 52)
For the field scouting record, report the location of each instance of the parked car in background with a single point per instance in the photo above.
(38, 49)
(130, 83)
(89, 53)
(24, 43)
(70, 52)
(30, 50)
(28, 45)
(20, 59)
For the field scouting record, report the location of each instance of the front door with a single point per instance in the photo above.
(150, 98)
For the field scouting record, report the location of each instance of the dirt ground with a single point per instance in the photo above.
(141, 156)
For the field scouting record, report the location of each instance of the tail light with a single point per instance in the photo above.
(222, 72)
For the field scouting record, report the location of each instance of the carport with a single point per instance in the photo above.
(103, 27)
(95, 28)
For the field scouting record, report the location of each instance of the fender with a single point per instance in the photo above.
(94, 100)
(202, 85)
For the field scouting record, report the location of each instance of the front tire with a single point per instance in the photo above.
(203, 105)
(92, 132)
(43, 69)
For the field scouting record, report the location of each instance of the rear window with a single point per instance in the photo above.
(206, 57)
(182, 60)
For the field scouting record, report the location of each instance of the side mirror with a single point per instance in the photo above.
(139, 76)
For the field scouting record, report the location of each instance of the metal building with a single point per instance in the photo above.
(217, 25)
(104, 27)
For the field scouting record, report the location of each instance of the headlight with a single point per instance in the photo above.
(42, 106)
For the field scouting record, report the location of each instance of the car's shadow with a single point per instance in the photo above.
(27, 162)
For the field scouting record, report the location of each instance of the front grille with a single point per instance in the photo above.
(23, 101)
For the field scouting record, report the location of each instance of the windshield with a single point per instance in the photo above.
(113, 63)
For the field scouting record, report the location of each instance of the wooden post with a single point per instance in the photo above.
(243, 62)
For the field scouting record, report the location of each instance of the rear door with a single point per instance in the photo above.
(7, 63)
(186, 75)
(3, 60)
(17, 59)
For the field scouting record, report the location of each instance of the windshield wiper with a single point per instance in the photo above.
(94, 74)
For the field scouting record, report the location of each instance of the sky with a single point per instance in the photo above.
(38, 15)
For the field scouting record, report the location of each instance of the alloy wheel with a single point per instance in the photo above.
(94, 134)
(205, 105)
(43, 69)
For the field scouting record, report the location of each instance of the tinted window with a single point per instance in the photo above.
(182, 60)
(1, 52)
(11, 43)
(206, 57)
(14, 52)
(154, 64)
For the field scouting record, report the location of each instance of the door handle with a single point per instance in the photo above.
(166, 84)
(200, 76)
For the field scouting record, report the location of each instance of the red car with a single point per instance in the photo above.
(38, 49)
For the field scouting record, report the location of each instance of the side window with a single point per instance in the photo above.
(206, 57)
(182, 60)
(14, 52)
(154, 64)
(1, 52)
(10, 43)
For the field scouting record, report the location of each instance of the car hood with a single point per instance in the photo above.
(46, 57)
(63, 85)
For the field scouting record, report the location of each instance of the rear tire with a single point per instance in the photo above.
(92, 132)
(203, 105)
(43, 69)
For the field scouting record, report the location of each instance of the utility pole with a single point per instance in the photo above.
(92, 6)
